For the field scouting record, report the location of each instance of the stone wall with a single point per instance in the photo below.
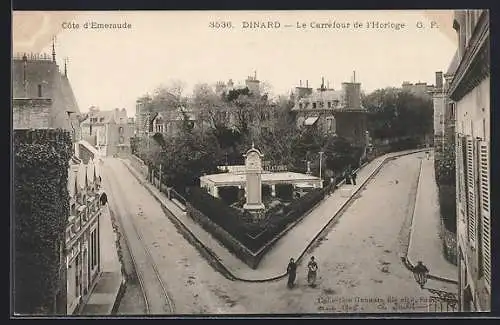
(31, 113)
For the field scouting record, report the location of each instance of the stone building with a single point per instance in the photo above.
(169, 123)
(82, 248)
(336, 112)
(470, 91)
(42, 96)
(109, 131)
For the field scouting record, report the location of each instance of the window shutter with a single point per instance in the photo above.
(461, 174)
(471, 191)
(484, 199)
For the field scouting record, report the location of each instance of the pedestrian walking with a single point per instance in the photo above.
(427, 155)
(312, 272)
(291, 270)
(353, 176)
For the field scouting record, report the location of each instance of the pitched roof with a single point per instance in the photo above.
(33, 75)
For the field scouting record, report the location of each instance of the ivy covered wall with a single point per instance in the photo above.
(41, 208)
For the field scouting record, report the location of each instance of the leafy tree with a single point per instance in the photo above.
(339, 154)
(398, 114)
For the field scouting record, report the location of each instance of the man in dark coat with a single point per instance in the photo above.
(353, 177)
(291, 270)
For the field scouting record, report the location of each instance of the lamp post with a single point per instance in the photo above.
(320, 163)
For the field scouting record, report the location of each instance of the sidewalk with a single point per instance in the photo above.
(425, 244)
(293, 244)
(106, 291)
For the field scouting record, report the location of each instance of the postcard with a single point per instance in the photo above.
(250, 162)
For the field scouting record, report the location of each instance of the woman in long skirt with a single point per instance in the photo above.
(291, 270)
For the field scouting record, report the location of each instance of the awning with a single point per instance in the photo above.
(311, 120)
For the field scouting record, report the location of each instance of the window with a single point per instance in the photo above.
(77, 276)
(120, 130)
(329, 104)
(314, 105)
(300, 105)
(93, 251)
(101, 119)
(39, 90)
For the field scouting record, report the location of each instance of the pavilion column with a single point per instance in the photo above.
(273, 190)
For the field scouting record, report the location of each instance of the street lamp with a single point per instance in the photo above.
(421, 274)
(320, 161)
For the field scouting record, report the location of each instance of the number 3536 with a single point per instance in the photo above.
(220, 24)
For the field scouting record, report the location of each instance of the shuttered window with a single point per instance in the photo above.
(484, 202)
(471, 191)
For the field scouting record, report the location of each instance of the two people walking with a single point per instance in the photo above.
(312, 268)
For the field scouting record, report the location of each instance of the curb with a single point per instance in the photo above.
(227, 273)
(405, 258)
(119, 296)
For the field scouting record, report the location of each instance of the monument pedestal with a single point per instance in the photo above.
(253, 206)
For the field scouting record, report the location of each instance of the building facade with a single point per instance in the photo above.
(336, 112)
(82, 249)
(42, 96)
(109, 131)
(470, 91)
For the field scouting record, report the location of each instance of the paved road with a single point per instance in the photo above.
(360, 268)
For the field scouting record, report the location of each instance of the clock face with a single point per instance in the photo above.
(253, 160)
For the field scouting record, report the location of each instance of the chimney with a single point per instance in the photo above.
(307, 83)
(354, 76)
(439, 80)
(300, 83)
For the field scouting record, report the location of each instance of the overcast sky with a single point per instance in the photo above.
(111, 68)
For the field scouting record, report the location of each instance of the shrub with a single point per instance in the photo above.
(41, 203)
(447, 207)
(284, 191)
(229, 194)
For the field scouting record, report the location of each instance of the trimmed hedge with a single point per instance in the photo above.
(41, 209)
(252, 235)
(447, 206)
(229, 194)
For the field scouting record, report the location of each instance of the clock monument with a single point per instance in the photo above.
(253, 171)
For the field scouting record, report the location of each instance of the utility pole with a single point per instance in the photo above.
(159, 177)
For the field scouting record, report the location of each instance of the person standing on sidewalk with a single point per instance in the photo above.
(291, 270)
(312, 267)
(353, 177)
